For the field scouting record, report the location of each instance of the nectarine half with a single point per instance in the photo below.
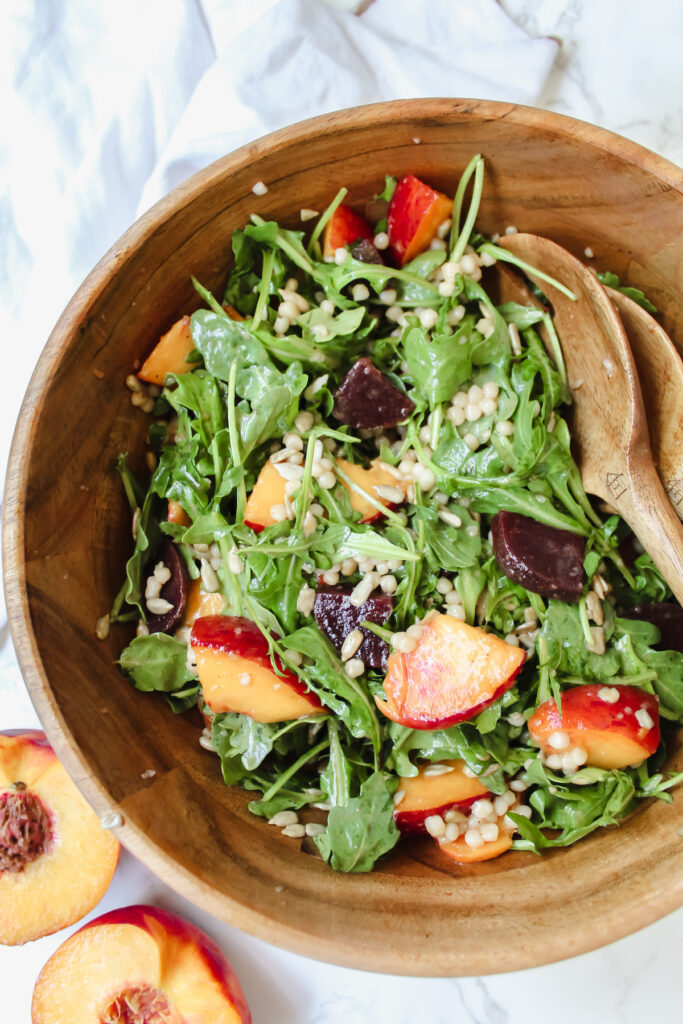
(138, 965)
(56, 861)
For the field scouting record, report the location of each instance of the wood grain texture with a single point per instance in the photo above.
(660, 371)
(609, 427)
(66, 535)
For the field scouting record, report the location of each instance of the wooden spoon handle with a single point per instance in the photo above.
(644, 506)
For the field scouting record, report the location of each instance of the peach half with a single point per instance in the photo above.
(56, 861)
(454, 672)
(617, 726)
(435, 789)
(138, 965)
(236, 673)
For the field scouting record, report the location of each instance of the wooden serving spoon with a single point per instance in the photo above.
(660, 371)
(609, 424)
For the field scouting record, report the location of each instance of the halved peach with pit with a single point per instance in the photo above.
(56, 861)
(139, 965)
(435, 789)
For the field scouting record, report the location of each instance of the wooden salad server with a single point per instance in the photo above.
(608, 416)
(660, 370)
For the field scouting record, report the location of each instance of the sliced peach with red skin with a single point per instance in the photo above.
(344, 227)
(368, 479)
(415, 213)
(426, 794)
(139, 964)
(56, 861)
(236, 672)
(454, 672)
(615, 731)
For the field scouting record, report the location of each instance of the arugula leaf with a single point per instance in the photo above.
(345, 696)
(438, 365)
(147, 537)
(612, 281)
(389, 186)
(575, 811)
(156, 662)
(362, 830)
(221, 341)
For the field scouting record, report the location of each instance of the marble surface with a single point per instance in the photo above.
(619, 66)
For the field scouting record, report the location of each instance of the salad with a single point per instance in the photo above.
(365, 552)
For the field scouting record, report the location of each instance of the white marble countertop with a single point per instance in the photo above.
(619, 66)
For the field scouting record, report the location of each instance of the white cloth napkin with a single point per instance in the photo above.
(108, 106)
(298, 58)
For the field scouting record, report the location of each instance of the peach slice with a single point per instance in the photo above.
(201, 603)
(56, 861)
(414, 215)
(236, 673)
(344, 227)
(454, 672)
(369, 479)
(169, 355)
(462, 853)
(177, 514)
(268, 490)
(138, 965)
(429, 793)
(232, 312)
(617, 726)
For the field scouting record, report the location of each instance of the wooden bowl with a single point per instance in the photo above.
(67, 536)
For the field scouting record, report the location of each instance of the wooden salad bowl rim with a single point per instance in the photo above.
(414, 915)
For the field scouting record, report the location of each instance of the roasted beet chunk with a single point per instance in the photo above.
(336, 617)
(538, 557)
(366, 399)
(174, 590)
(668, 618)
(365, 251)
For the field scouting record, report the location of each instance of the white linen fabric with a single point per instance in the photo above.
(109, 105)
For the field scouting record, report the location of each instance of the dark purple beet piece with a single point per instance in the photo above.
(668, 618)
(365, 251)
(540, 558)
(174, 590)
(336, 617)
(366, 399)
